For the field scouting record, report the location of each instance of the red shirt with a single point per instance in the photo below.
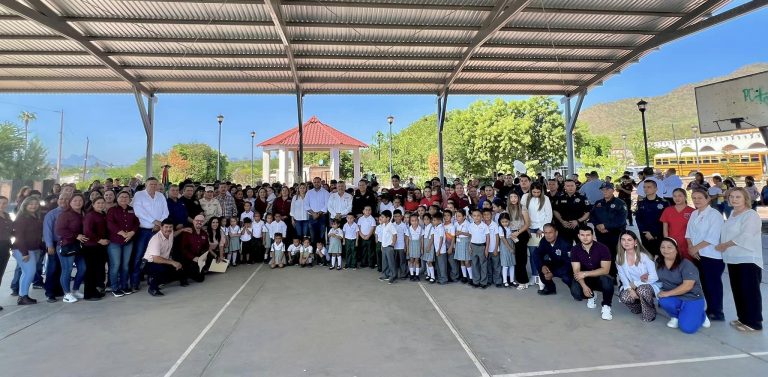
(282, 206)
(68, 226)
(193, 244)
(427, 201)
(121, 220)
(677, 223)
(28, 231)
(95, 228)
(398, 192)
(411, 206)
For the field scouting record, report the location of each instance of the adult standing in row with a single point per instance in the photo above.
(674, 220)
(151, 208)
(397, 191)
(363, 198)
(226, 200)
(95, 249)
(299, 215)
(122, 225)
(69, 231)
(702, 235)
(191, 204)
(742, 247)
(282, 206)
(27, 230)
(570, 209)
(539, 212)
(609, 215)
(316, 205)
(340, 203)
(53, 287)
(6, 230)
(648, 213)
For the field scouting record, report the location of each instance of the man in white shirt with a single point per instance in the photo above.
(151, 208)
(480, 240)
(388, 239)
(160, 267)
(339, 203)
(671, 182)
(316, 205)
(648, 173)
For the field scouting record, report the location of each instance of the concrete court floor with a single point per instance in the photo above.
(315, 322)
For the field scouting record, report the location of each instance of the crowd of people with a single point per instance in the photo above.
(515, 232)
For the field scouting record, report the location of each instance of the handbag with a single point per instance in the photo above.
(71, 249)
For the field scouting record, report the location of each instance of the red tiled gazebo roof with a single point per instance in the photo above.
(316, 133)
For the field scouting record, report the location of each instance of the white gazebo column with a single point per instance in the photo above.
(265, 166)
(291, 168)
(282, 165)
(335, 162)
(357, 175)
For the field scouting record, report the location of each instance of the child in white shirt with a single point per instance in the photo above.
(305, 258)
(335, 238)
(351, 233)
(277, 252)
(233, 233)
(293, 252)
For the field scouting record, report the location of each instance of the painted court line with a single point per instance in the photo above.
(631, 365)
(210, 325)
(13, 312)
(475, 360)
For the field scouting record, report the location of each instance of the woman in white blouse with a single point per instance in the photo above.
(540, 212)
(299, 215)
(702, 235)
(742, 247)
(637, 272)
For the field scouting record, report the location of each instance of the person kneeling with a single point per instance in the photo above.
(681, 295)
(277, 252)
(160, 267)
(552, 256)
(591, 262)
(193, 244)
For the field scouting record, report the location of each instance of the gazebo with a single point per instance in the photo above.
(317, 136)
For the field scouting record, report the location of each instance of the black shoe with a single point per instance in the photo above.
(546, 292)
(51, 299)
(464, 280)
(499, 286)
(184, 283)
(716, 317)
(25, 300)
(338, 268)
(93, 298)
(155, 292)
(484, 286)
(14, 293)
(128, 291)
(118, 293)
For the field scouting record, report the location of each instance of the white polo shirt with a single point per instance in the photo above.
(438, 233)
(478, 231)
(461, 227)
(387, 231)
(258, 228)
(350, 231)
(414, 233)
(366, 224)
(493, 229)
(401, 229)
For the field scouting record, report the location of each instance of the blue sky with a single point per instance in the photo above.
(192, 118)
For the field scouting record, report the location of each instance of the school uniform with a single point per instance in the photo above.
(233, 246)
(506, 253)
(350, 239)
(494, 257)
(258, 240)
(248, 245)
(279, 253)
(293, 253)
(389, 267)
(366, 248)
(414, 242)
(334, 247)
(477, 247)
(429, 252)
(462, 242)
(454, 270)
(438, 240)
(400, 258)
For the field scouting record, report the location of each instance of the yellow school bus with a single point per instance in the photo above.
(736, 163)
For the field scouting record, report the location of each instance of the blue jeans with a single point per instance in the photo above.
(689, 313)
(66, 272)
(16, 278)
(302, 228)
(52, 276)
(28, 269)
(532, 250)
(119, 264)
(317, 229)
(142, 240)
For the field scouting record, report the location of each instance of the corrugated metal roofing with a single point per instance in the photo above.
(340, 46)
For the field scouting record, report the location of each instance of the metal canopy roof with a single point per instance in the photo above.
(341, 46)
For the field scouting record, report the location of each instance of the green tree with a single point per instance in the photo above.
(19, 160)
(26, 117)
(196, 161)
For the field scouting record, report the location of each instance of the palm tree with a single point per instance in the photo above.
(27, 117)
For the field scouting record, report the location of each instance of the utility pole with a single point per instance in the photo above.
(61, 142)
(85, 161)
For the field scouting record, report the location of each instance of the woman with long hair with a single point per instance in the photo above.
(28, 233)
(680, 294)
(539, 212)
(262, 205)
(69, 230)
(282, 206)
(110, 200)
(217, 240)
(742, 246)
(702, 235)
(519, 222)
(122, 225)
(674, 220)
(698, 182)
(749, 185)
(95, 249)
(22, 194)
(299, 217)
(638, 275)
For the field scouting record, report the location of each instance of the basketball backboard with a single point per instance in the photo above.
(733, 104)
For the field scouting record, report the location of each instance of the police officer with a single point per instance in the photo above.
(648, 213)
(570, 210)
(609, 215)
(553, 258)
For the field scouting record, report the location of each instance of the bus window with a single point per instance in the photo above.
(754, 157)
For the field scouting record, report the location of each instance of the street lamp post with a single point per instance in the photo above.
(642, 106)
(695, 130)
(624, 137)
(220, 119)
(390, 120)
(253, 135)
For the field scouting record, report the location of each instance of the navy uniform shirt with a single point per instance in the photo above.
(556, 255)
(648, 214)
(360, 201)
(571, 207)
(612, 214)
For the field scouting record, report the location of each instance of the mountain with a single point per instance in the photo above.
(77, 161)
(677, 107)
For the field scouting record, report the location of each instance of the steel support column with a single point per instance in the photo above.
(300, 155)
(442, 102)
(147, 114)
(570, 126)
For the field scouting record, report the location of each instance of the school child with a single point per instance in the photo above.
(377, 240)
(293, 252)
(247, 212)
(268, 234)
(248, 242)
(420, 212)
(494, 260)
(398, 204)
(277, 252)
(335, 237)
(233, 232)
(401, 260)
(305, 258)
(260, 252)
(507, 251)
(367, 244)
(386, 236)
(321, 253)
(462, 248)
(415, 245)
(479, 243)
(449, 227)
(279, 225)
(435, 245)
(351, 234)
(498, 208)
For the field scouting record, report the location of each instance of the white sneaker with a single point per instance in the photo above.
(78, 295)
(591, 303)
(69, 298)
(605, 313)
(672, 324)
(706, 323)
